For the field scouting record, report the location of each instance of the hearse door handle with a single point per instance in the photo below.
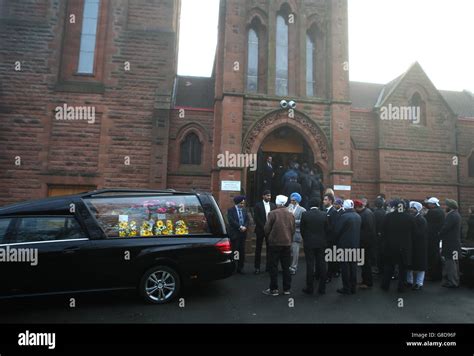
(70, 250)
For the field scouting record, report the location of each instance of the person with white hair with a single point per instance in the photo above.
(419, 261)
(279, 230)
(435, 219)
(347, 236)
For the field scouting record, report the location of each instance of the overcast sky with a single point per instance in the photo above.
(385, 38)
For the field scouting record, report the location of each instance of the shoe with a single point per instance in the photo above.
(308, 291)
(417, 287)
(257, 271)
(273, 292)
(343, 291)
(286, 292)
(364, 286)
(409, 285)
(449, 286)
(292, 272)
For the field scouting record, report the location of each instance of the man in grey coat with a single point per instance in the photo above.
(450, 235)
(297, 210)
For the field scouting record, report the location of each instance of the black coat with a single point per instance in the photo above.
(435, 219)
(313, 227)
(397, 235)
(260, 216)
(470, 228)
(450, 234)
(379, 215)
(332, 216)
(367, 229)
(291, 187)
(233, 221)
(347, 232)
(420, 245)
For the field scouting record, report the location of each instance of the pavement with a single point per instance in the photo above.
(239, 299)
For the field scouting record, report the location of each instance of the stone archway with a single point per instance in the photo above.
(308, 129)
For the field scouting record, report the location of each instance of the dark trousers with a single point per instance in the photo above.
(349, 276)
(238, 245)
(367, 267)
(258, 250)
(275, 255)
(389, 269)
(434, 261)
(315, 261)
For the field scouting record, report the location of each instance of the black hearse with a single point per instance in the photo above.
(155, 241)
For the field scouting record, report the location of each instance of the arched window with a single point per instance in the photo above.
(471, 165)
(252, 61)
(310, 74)
(418, 109)
(191, 150)
(281, 82)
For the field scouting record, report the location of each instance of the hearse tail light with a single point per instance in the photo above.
(224, 246)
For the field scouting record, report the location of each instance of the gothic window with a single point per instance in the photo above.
(310, 74)
(418, 109)
(252, 61)
(281, 83)
(88, 36)
(191, 149)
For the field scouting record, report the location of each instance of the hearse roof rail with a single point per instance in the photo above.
(99, 192)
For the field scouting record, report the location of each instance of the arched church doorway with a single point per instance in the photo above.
(286, 146)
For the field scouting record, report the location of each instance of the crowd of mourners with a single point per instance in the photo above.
(399, 239)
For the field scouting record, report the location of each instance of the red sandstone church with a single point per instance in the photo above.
(154, 129)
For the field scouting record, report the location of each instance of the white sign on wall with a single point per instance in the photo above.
(342, 187)
(230, 185)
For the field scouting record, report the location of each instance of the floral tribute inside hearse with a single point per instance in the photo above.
(167, 216)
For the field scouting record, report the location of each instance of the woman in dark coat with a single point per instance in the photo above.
(419, 248)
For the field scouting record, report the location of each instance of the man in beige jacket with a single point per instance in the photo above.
(279, 230)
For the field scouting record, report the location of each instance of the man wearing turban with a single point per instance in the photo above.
(297, 210)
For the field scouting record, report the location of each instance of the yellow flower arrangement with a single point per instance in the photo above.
(181, 228)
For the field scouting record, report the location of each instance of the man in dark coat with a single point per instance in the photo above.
(262, 208)
(314, 227)
(238, 220)
(305, 181)
(419, 245)
(435, 219)
(398, 230)
(317, 187)
(332, 215)
(379, 215)
(292, 186)
(268, 174)
(367, 241)
(470, 225)
(348, 237)
(450, 235)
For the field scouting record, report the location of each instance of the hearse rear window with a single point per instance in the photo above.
(160, 216)
(47, 228)
(4, 223)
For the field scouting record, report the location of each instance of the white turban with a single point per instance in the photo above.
(281, 200)
(416, 205)
(348, 204)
